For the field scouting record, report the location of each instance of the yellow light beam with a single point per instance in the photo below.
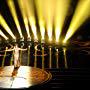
(13, 12)
(39, 7)
(31, 16)
(49, 11)
(6, 27)
(61, 11)
(3, 35)
(80, 15)
(23, 11)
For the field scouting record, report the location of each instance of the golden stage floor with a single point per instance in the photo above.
(24, 77)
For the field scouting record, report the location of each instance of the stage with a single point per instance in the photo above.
(23, 77)
(67, 69)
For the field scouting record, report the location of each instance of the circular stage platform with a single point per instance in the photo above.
(24, 77)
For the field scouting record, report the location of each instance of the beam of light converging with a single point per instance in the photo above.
(49, 11)
(39, 7)
(61, 11)
(31, 17)
(6, 27)
(13, 12)
(3, 35)
(80, 15)
(23, 11)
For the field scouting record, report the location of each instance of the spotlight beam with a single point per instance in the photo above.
(80, 15)
(6, 27)
(61, 11)
(39, 7)
(25, 19)
(3, 35)
(49, 11)
(31, 17)
(13, 12)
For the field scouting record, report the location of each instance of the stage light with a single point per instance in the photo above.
(29, 42)
(42, 41)
(39, 7)
(25, 19)
(60, 14)
(22, 39)
(28, 39)
(14, 41)
(35, 41)
(31, 16)
(6, 27)
(3, 35)
(80, 15)
(13, 12)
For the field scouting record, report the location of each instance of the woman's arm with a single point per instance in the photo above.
(22, 49)
(7, 50)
